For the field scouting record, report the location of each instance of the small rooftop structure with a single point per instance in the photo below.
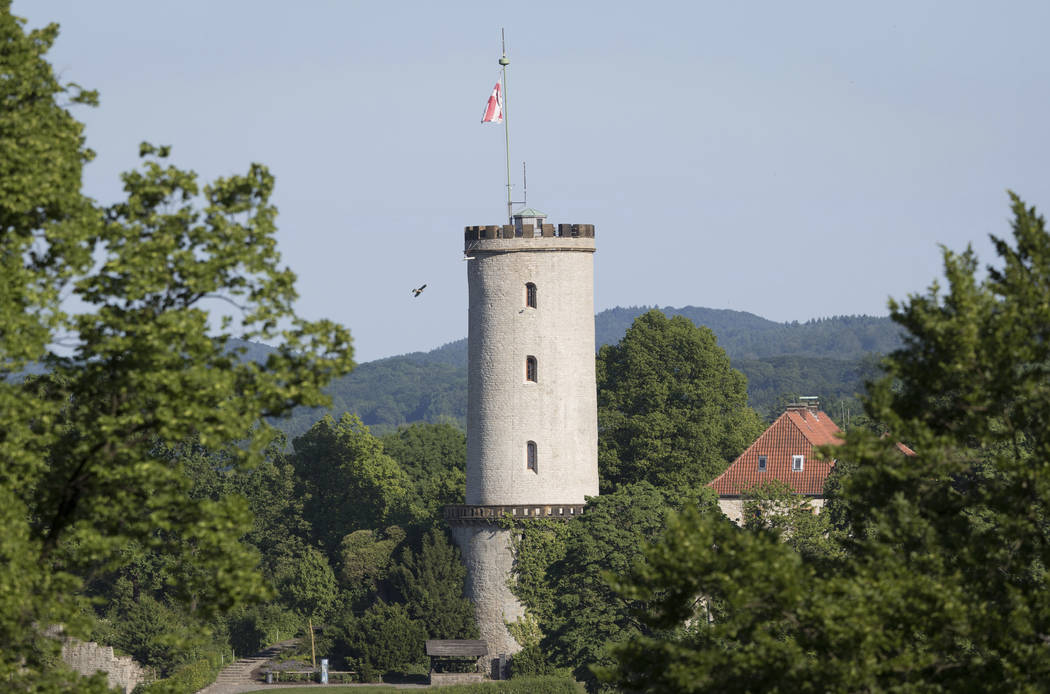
(528, 219)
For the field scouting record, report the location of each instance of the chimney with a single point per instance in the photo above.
(810, 402)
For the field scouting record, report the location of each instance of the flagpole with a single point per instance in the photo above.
(506, 127)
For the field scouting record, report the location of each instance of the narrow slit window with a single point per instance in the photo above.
(530, 295)
(796, 462)
(530, 368)
(530, 456)
(762, 463)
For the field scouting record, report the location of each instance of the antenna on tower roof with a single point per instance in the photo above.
(524, 186)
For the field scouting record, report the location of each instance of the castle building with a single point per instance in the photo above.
(532, 432)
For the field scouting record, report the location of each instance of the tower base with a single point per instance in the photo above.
(488, 555)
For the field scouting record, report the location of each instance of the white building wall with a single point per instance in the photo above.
(505, 411)
(734, 508)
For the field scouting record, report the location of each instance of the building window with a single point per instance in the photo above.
(530, 295)
(796, 462)
(762, 463)
(530, 368)
(530, 456)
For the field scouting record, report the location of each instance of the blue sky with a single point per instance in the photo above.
(794, 160)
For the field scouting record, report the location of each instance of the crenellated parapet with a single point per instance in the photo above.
(519, 231)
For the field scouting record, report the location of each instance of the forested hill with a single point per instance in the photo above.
(747, 336)
(829, 357)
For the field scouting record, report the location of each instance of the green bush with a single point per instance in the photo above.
(522, 685)
(184, 679)
(369, 673)
(381, 640)
(255, 627)
(530, 661)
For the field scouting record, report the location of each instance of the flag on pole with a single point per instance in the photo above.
(494, 108)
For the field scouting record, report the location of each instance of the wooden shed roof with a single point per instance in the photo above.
(456, 647)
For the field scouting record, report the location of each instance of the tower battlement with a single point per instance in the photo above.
(526, 231)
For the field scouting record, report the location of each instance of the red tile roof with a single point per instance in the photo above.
(796, 432)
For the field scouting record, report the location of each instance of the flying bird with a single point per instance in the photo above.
(418, 290)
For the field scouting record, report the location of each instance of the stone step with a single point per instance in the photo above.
(239, 671)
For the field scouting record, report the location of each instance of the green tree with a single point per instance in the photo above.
(307, 585)
(431, 582)
(560, 575)
(150, 362)
(366, 559)
(945, 584)
(671, 410)
(149, 367)
(750, 581)
(348, 483)
(434, 456)
(148, 630)
(45, 224)
(774, 506)
(384, 638)
(277, 509)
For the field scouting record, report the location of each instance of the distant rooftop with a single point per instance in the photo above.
(799, 431)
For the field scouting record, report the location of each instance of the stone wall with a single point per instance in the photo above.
(87, 658)
(488, 555)
(445, 679)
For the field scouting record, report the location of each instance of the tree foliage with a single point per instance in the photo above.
(366, 559)
(560, 576)
(348, 482)
(384, 638)
(671, 410)
(434, 456)
(430, 582)
(775, 507)
(944, 586)
(148, 363)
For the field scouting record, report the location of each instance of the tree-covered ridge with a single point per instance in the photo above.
(743, 335)
(747, 336)
(829, 357)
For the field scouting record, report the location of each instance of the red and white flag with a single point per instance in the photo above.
(494, 109)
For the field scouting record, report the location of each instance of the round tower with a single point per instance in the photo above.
(532, 431)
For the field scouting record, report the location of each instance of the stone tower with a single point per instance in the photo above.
(532, 432)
